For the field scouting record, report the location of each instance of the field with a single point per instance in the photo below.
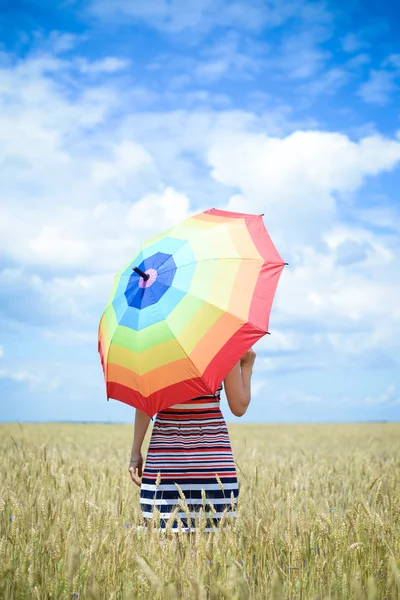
(318, 517)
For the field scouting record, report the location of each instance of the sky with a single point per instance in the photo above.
(120, 119)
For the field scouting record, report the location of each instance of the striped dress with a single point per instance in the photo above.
(190, 450)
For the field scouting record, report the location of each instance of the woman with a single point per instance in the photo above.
(190, 447)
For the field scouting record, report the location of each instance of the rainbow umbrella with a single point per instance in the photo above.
(186, 308)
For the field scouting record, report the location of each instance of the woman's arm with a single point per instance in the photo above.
(237, 384)
(136, 463)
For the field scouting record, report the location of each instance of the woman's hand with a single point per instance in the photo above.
(248, 359)
(136, 464)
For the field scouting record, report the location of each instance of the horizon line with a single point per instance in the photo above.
(89, 422)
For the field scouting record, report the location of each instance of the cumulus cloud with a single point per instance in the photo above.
(312, 161)
(67, 192)
(295, 180)
(169, 207)
(84, 184)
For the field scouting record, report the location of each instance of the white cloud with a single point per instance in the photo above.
(68, 337)
(95, 239)
(266, 394)
(1, 351)
(33, 380)
(109, 64)
(82, 191)
(20, 376)
(383, 214)
(198, 15)
(295, 180)
(70, 237)
(389, 397)
(379, 88)
(201, 16)
(67, 192)
(382, 83)
(168, 208)
(378, 253)
(299, 361)
(328, 82)
(352, 43)
(128, 159)
(329, 311)
(257, 387)
(278, 342)
(300, 55)
(317, 161)
(328, 291)
(56, 42)
(297, 397)
(393, 61)
(231, 57)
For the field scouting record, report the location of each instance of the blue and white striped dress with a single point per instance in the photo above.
(190, 452)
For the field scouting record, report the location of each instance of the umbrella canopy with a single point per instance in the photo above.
(186, 308)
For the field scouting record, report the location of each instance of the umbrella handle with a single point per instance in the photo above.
(145, 276)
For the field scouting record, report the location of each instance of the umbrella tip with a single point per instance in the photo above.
(286, 263)
(145, 276)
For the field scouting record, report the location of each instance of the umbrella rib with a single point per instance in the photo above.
(219, 308)
(190, 235)
(196, 297)
(109, 345)
(194, 235)
(195, 262)
(175, 336)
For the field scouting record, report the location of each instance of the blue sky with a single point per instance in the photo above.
(114, 112)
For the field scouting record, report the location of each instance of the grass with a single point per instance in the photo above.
(318, 517)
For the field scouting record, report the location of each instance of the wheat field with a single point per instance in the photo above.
(318, 517)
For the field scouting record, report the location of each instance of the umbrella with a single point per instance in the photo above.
(186, 308)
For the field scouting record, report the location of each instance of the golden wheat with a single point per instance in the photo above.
(318, 518)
